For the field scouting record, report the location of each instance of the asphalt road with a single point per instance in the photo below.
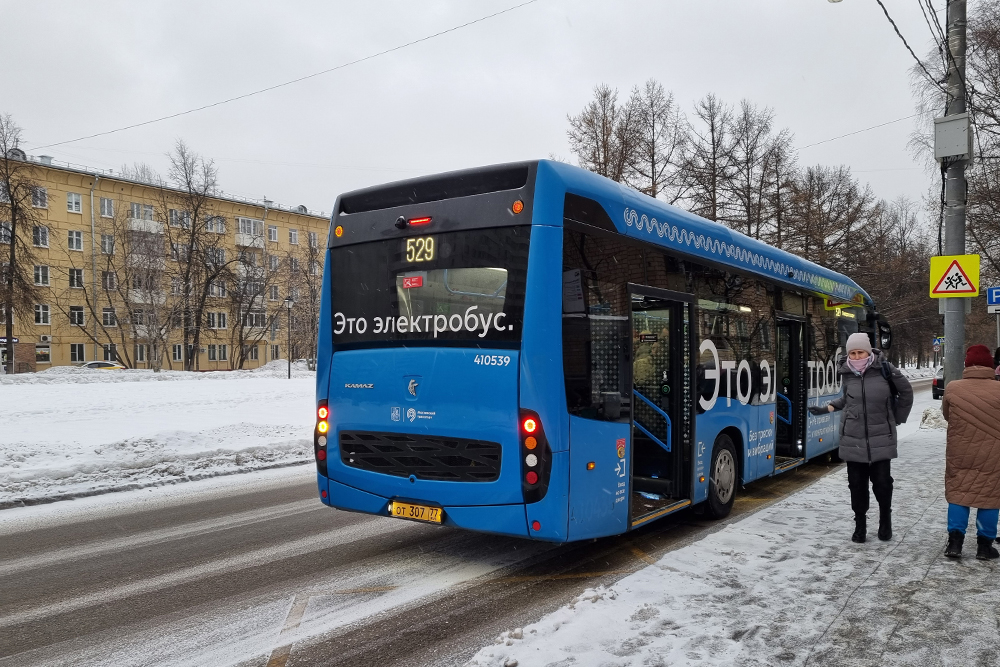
(257, 572)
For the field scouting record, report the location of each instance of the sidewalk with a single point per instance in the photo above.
(786, 586)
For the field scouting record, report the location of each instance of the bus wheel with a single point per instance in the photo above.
(722, 478)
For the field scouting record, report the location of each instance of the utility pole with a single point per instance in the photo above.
(955, 192)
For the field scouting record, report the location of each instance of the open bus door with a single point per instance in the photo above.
(662, 402)
(790, 407)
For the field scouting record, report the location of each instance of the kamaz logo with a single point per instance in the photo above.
(357, 385)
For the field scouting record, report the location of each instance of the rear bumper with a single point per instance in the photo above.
(500, 519)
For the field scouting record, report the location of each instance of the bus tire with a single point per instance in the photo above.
(722, 479)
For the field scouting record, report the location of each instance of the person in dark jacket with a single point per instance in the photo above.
(868, 429)
(972, 457)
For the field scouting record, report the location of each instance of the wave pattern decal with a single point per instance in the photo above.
(701, 241)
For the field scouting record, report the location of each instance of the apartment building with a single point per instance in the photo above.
(156, 276)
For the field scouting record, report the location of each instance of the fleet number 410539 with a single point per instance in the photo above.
(492, 360)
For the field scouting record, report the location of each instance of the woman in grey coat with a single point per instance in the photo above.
(868, 429)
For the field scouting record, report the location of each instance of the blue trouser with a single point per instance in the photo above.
(986, 520)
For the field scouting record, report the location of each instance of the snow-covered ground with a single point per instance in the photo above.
(918, 373)
(786, 586)
(70, 432)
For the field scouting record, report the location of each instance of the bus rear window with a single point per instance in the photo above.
(455, 288)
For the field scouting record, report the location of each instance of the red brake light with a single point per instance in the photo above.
(419, 221)
(529, 425)
(321, 455)
(531, 477)
(323, 412)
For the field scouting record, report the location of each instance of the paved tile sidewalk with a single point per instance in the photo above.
(786, 586)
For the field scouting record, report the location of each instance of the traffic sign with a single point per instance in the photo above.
(993, 310)
(993, 296)
(937, 348)
(954, 276)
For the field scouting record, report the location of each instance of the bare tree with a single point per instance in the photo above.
(604, 135)
(19, 195)
(305, 280)
(709, 165)
(660, 142)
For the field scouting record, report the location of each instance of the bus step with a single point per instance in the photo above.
(663, 487)
(673, 506)
(785, 463)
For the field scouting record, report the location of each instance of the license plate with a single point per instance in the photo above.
(415, 512)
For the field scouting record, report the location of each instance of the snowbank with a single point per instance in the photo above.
(787, 586)
(78, 375)
(932, 418)
(130, 429)
(918, 373)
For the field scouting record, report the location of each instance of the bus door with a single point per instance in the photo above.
(790, 404)
(662, 402)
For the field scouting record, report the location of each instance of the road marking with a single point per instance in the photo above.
(279, 656)
(310, 544)
(195, 528)
(642, 555)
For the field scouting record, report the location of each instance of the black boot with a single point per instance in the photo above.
(885, 525)
(860, 529)
(955, 540)
(986, 550)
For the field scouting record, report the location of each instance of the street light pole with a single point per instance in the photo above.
(288, 351)
(955, 192)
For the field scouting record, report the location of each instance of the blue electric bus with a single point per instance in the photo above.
(534, 350)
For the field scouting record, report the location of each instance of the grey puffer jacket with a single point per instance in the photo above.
(868, 426)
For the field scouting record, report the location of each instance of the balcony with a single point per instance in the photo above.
(249, 240)
(142, 296)
(140, 225)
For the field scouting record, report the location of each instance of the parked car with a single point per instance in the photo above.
(104, 365)
(937, 384)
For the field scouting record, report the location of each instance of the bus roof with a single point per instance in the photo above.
(632, 213)
(640, 216)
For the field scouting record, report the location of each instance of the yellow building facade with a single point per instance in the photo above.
(121, 271)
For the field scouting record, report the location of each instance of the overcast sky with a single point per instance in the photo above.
(492, 92)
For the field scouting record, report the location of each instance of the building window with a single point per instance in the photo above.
(74, 202)
(40, 236)
(43, 354)
(39, 197)
(275, 352)
(138, 317)
(293, 236)
(313, 242)
(180, 219)
(140, 352)
(217, 289)
(42, 276)
(255, 318)
(215, 256)
(251, 227)
(108, 317)
(215, 224)
(294, 294)
(180, 252)
(275, 262)
(314, 268)
(5, 231)
(76, 352)
(251, 352)
(108, 244)
(178, 353)
(142, 211)
(293, 264)
(274, 292)
(215, 320)
(107, 207)
(41, 313)
(76, 278)
(109, 281)
(76, 315)
(211, 353)
(111, 352)
(272, 233)
(74, 240)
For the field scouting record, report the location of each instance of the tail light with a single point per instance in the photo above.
(536, 457)
(321, 436)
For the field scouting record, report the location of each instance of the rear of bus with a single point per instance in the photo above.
(427, 407)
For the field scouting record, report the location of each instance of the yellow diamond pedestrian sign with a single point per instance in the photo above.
(954, 275)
